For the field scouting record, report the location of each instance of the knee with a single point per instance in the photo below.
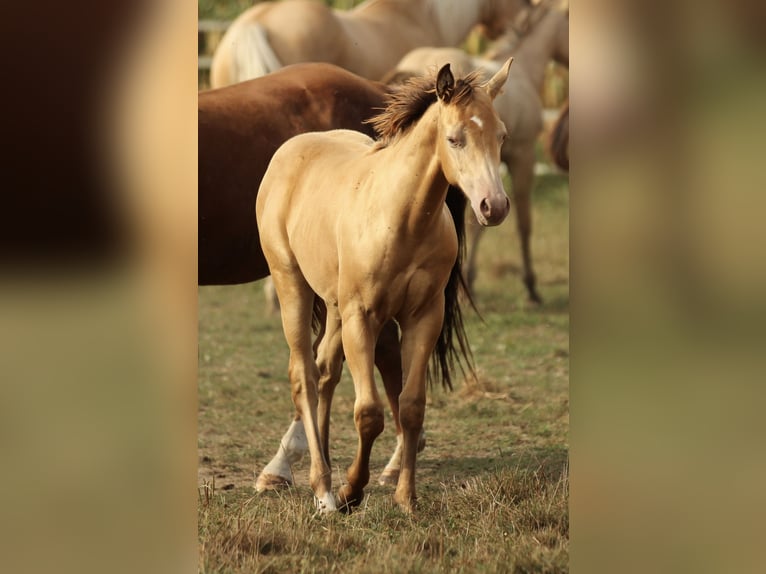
(369, 420)
(412, 414)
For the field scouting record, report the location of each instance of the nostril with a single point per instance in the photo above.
(484, 206)
(507, 202)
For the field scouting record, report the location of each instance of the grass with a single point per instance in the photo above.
(492, 481)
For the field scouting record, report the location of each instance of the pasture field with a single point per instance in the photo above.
(493, 480)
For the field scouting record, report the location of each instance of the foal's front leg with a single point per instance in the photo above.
(359, 334)
(330, 364)
(293, 445)
(419, 335)
(388, 360)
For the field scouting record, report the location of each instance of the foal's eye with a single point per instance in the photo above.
(455, 142)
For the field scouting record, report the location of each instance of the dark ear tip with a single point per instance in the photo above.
(445, 82)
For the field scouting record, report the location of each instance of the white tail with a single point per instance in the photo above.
(244, 53)
(253, 55)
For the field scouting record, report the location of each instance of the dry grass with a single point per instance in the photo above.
(492, 482)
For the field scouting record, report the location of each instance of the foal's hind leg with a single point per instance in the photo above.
(298, 298)
(293, 445)
(278, 472)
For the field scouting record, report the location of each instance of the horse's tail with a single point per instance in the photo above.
(452, 346)
(254, 55)
(558, 144)
(244, 54)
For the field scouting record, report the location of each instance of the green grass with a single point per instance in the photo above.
(492, 481)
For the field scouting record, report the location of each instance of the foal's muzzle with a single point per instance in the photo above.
(494, 209)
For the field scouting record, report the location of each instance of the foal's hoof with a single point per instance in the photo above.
(407, 504)
(389, 477)
(348, 499)
(422, 440)
(271, 482)
(326, 503)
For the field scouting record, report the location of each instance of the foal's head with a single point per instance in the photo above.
(469, 138)
(469, 133)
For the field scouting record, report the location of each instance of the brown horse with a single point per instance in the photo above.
(240, 128)
(540, 33)
(367, 40)
(363, 225)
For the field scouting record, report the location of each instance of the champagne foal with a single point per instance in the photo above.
(240, 128)
(364, 226)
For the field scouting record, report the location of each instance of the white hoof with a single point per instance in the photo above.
(326, 503)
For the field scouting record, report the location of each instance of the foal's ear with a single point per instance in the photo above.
(495, 84)
(445, 84)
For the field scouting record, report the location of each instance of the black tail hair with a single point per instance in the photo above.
(452, 347)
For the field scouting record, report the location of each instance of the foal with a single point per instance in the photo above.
(364, 226)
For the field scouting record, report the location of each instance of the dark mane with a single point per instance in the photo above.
(409, 101)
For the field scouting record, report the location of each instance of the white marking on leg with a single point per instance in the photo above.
(395, 461)
(292, 447)
(326, 504)
(477, 121)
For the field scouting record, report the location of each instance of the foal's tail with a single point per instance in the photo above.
(452, 346)
(558, 145)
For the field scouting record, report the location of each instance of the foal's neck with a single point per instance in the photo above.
(419, 185)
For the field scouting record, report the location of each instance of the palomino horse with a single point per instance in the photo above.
(367, 40)
(363, 226)
(544, 36)
(240, 128)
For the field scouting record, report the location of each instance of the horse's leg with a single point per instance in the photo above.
(388, 360)
(359, 335)
(419, 336)
(270, 296)
(330, 363)
(474, 231)
(278, 472)
(298, 299)
(521, 165)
